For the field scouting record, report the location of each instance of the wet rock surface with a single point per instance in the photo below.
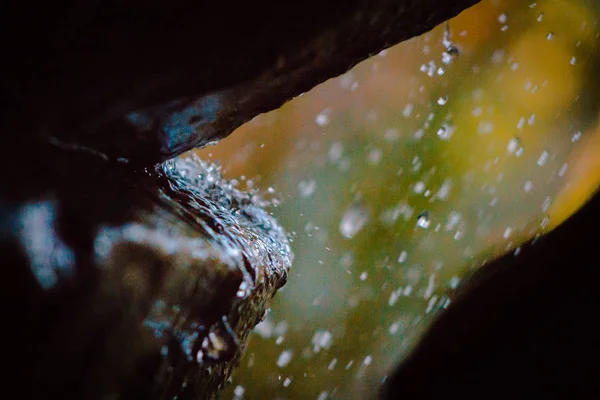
(144, 81)
(132, 284)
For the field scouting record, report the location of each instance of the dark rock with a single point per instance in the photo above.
(144, 81)
(131, 285)
(521, 327)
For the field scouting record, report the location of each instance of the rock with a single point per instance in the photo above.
(523, 325)
(144, 81)
(131, 285)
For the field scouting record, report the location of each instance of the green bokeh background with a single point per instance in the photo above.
(364, 149)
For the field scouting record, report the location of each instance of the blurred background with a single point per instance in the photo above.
(396, 178)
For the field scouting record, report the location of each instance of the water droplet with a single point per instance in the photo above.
(454, 218)
(238, 392)
(573, 60)
(332, 364)
(408, 110)
(452, 51)
(485, 128)
(545, 222)
(519, 152)
(528, 186)
(394, 328)
(354, 220)
(265, 328)
(322, 118)
(429, 68)
(431, 303)
(403, 256)
(502, 18)
(323, 395)
(563, 170)
(419, 187)
(513, 145)
(244, 290)
(446, 303)
(164, 350)
(576, 136)
(549, 36)
(346, 80)
(498, 56)
(394, 297)
(335, 152)
(546, 204)
(375, 156)
(391, 135)
(307, 188)
(521, 123)
(219, 345)
(454, 281)
(444, 190)
(543, 158)
(322, 340)
(442, 100)
(449, 55)
(540, 17)
(445, 132)
(284, 358)
(424, 220)
(430, 286)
